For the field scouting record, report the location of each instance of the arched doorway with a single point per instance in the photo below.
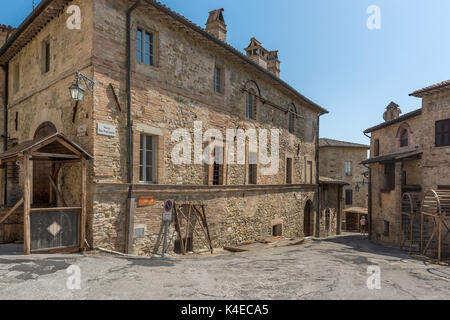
(42, 170)
(307, 221)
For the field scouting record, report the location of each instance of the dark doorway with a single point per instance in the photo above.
(42, 170)
(307, 220)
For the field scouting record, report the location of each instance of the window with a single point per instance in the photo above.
(404, 138)
(145, 47)
(16, 78)
(386, 228)
(218, 167)
(218, 80)
(292, 115)
(288, 170)
(348, 197)
(389, 176)
(253, 168)
(45, 56)
(376, 148)
(309, 172)
(443, 133)
(348, 168)
(251, 110)
(148, 159)
(277, 230)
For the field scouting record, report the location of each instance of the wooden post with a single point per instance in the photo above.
(28, 175)
(83, 202)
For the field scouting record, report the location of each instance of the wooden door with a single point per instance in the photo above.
(42, 170)
(307, 220)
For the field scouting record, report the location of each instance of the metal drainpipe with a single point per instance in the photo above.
(5, 133)
(317, 231)
(131, 203)
(129, 123)
(369, 200)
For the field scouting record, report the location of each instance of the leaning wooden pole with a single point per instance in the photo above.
(28, 170)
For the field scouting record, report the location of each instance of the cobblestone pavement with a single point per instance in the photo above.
(319, 269)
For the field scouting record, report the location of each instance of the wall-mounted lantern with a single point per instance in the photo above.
(77, 90)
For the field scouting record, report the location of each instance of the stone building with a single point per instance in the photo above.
(341, 161)
(410, 154)
(156, 72)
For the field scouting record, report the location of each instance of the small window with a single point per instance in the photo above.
(253, 168)
(348, 168)
(389, 176)
(443, 133)
(251, 109)
(148, 159)
(218, 167)
(288, 170)
(218, 80)
(348, 197)
(376, 148)
(404, 138)
(139, 232)
(277, 230)
(386, 228)
(292, 115)
(45, 56)
(145, 47)
(16, 78)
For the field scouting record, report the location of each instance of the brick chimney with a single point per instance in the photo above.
(392, 112)
(216, 25)
(273, 63)
(266, 59)
(5, 33)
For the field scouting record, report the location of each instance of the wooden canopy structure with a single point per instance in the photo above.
(52, 227)
(435, 223)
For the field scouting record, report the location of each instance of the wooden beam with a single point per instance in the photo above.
(10, 212)
(55, 209)
(58, 193)
(28, 176)
(55, 155)
(83, 203)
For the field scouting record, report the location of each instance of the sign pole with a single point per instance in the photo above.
(167, 219)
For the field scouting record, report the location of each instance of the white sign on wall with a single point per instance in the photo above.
(82, 131)
(106, 130)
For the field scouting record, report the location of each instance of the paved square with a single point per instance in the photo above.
(320, 269)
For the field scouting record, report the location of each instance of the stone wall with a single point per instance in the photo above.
(332, 164)
(174, 94)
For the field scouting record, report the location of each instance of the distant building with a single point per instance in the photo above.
(410, 154)
(340, 160)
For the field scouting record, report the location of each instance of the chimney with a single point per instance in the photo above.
(216, 25)
(266, 59)
(273, 63)
(5, 33)
(392, 112)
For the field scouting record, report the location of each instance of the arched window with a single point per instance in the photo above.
(404, 138)
(251, 105)
(376, 148)
(291, 118)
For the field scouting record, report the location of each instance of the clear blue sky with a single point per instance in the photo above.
(329, 54)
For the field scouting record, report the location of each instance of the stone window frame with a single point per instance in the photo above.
(222, 169)
(348, 168)
(156, 45)
(404, 127)
(404, 138)
(46, 60)
(158, 133)
(288, 156)
(292, 117)
(221, 89)
(376, 148)
(251, 167)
